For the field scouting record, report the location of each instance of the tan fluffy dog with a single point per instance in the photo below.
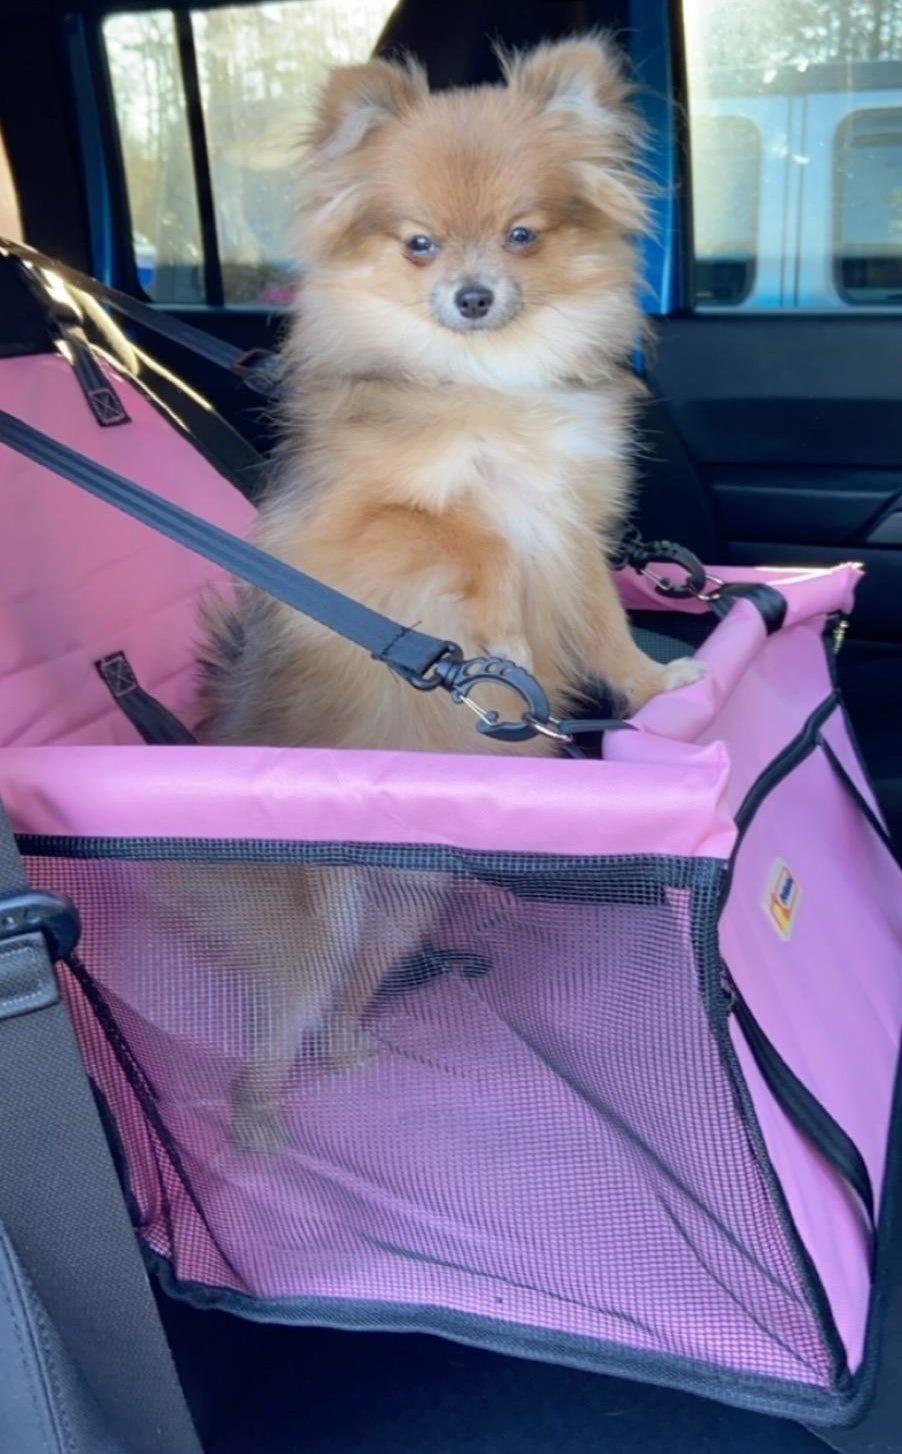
(458, 426)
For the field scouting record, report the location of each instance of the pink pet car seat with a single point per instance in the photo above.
(631, 1105)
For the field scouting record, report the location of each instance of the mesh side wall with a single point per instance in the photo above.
(542, 1134)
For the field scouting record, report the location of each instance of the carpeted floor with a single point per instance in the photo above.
(259, 1390)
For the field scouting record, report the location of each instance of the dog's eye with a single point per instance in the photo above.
(521, 237)
(421, 246)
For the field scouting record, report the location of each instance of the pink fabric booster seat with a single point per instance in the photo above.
(631, 1107)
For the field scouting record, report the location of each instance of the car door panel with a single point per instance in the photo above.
(794, 422)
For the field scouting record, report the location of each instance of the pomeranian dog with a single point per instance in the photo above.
(457, 419)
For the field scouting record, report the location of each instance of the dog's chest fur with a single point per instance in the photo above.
(536, 464)
(542, 470)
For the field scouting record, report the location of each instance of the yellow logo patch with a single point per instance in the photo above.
(781, 901)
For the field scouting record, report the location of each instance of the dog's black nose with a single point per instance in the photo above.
(473, 300)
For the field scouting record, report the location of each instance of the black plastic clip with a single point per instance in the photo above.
(640, 554)
(459, 677)
(34, 911)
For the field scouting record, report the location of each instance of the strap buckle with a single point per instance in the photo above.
(459, 677)
(640, 554)
(33, 911)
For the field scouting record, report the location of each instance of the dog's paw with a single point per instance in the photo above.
(682, 673)
(679, 673)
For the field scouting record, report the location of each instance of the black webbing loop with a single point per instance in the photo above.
(156, 724)
(770, 602)
(65, 320)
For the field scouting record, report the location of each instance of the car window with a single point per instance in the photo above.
(868, 230)
(726, 160)
(795, 135)
(10, 220)
(210, 107)
(156, 151)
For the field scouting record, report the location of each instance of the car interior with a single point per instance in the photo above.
(771, 434)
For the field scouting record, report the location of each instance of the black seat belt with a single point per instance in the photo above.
(61, 1204)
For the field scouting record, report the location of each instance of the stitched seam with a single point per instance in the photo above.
(32, 997)
(59, 1402)
(37, 1385)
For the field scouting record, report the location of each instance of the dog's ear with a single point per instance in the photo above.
(582, 87)
(584, 78)
(356, 100)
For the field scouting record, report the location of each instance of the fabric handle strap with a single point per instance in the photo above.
(61, 1204)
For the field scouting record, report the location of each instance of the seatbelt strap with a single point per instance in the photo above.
(60, 1198)
(409, 652)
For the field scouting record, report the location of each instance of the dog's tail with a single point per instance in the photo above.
(224, 641)
(219, 663)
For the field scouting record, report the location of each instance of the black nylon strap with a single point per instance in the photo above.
(156, 724)
(409, 652)
(99, 393)
(100, 396)
(807, 1113)
(260, 377)
(62, 1208)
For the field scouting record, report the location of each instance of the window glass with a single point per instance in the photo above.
(10, 221)
(796, 158)
(259, 67)
(156, 150)
(726, 159)
(868, 242)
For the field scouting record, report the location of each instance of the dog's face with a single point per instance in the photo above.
(473, 236)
